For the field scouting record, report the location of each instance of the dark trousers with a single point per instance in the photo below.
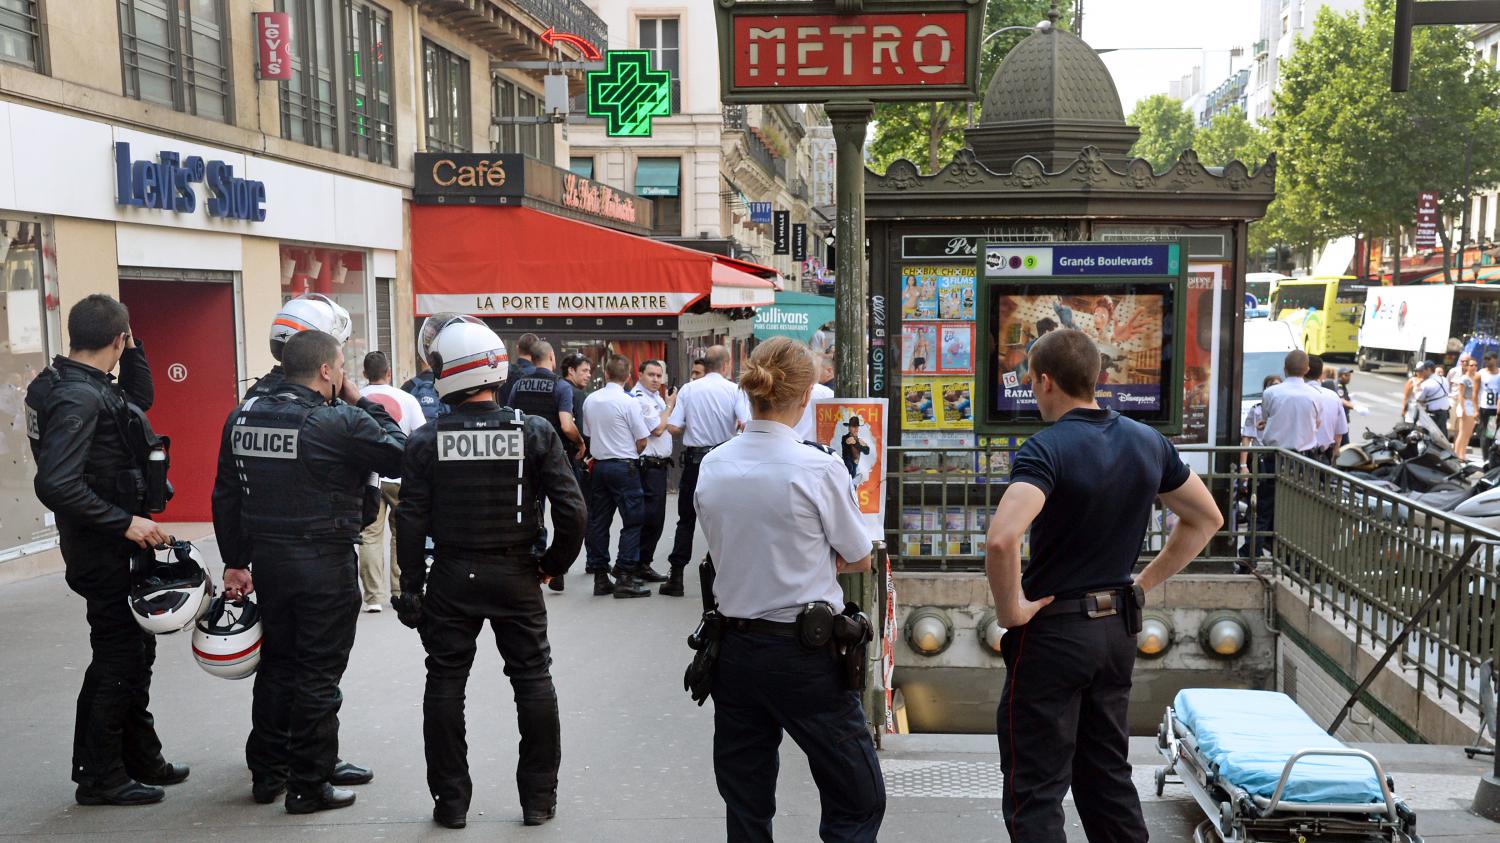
(114, 735)
(654, 492)
(462, 593)
(687, 512)
(1440, 418)
(1265, 508)
(1061, 722)
(616, 485)
(766, 685)
(309, 601)
(1486, 438)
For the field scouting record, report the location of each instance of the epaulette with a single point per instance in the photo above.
(820, 446)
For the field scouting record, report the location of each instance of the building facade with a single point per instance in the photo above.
(1484, 212)
(143, 155)
(1282, 23)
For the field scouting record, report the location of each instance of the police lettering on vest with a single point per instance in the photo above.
(536, 395)
(481, 500)
(268, 442)
(282, 497)
(480, 445)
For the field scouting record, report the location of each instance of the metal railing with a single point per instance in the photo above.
(569, 16)
(1363, 555)
(764, 156)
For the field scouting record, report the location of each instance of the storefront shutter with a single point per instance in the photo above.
(385, 332)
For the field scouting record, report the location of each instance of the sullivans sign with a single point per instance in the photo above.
(167, 184)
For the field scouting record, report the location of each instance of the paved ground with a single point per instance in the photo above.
(636, 753)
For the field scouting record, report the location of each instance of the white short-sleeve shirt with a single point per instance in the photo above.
(614, 423)
(807, 426)
(1291, 410)
(1332, 423)
(653, 407)
(775, 512)
(707, 410)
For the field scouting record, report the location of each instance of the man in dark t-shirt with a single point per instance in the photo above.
(1085, 488)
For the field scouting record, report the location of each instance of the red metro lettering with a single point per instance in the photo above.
(828, 51)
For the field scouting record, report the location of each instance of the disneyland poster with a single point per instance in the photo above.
(1206, 285)
(956, 348)
(1129, 325)
(955, 293)
(919, 348)
(918, 410)
(855, 429)
(919, 292)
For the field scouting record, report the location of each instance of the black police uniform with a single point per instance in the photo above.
(288, 503)
(89, 477)
(1062, 718)
(538, 394)
(472, 481)
(423, 387)
(267, 384)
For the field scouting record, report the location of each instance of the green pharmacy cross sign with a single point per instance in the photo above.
(628, 93)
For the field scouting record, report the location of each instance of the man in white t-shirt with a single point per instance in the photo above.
(406, 412)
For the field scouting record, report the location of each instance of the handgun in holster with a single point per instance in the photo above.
(852, 634)
(1135, 601)
(705, 641)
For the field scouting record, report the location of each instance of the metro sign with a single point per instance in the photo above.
(810, 52)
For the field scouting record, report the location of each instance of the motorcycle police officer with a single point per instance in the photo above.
(89, 475)
(472, 481)
(420, 385)
(781, 522)
(288, 500)
(310, 312)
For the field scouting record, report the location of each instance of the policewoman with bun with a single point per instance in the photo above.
(782, 522)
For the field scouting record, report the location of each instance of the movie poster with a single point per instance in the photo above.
(919, 410)
(1129, 328)
(1207, 283)
(957, 408)
(955, 293)
(919, 348)
(956, 348)
(919, 292)
(855, 429)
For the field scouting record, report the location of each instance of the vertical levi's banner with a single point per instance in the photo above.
(273, 40)
(862, 448)
(781, 223)
(1427, 219)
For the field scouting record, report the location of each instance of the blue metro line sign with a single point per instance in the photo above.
(627, 93)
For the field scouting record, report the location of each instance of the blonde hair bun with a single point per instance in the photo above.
(778, 375)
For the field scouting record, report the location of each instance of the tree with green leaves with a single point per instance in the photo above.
(1166, 129)
(1231, 137)
(928, 133)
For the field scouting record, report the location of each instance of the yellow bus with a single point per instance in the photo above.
(1324, 312)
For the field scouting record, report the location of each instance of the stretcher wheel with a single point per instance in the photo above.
(1226, 820)
(1161, 780)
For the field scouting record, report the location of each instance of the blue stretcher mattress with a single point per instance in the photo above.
(1249, 735)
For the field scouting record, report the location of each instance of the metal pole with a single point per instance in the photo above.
(1463, 236)
(851, 288)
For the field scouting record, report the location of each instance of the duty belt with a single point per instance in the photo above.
(785, 629)
(1095, 604)
(656, 462)
(699, 450)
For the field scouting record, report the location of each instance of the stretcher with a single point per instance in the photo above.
(1262, 770)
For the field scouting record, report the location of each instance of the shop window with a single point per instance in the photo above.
(447, 79)
(28, 331)
(342, 275)
(658, 36)
(660, 179)
(582, 165)
(20, 33)
(173, 54)
(340, 68)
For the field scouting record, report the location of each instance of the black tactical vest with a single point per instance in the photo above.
(536, 395)
(280, 494)
(267, 385)
(481, 498)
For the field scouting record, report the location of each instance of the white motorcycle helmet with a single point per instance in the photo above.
(226, 641)
(434, 325)
(466, 356)
(310, 312)
(169, 589)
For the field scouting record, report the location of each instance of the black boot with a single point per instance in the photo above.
(537, 816)
(649, 574)
(673, 587)
(556, 583)
(168, 774)
(131, 792)
(449, 816)
(627, 586)
(323, 798)
(603, 586)
(264, 793)
(346, 774)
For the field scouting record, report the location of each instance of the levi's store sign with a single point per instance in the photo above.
(169, 184)
(810, 52)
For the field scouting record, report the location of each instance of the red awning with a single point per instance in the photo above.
(512, 261)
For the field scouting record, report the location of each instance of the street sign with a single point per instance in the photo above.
(1427, 220)
(760, 212)
(627, 93)
(814, 51)
(799, 242)
(780, 234)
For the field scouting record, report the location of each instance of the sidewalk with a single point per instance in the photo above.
(636, 752)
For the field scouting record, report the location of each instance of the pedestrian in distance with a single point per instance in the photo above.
(542, 393)
(406, 412)
(699, 368)
(708, 414)
(617, 434)
(1341, 386)
(421, 385)
(657, 402)
(1333, 424)
(77, 420)
(781, 523)
(1252, 430)
(1466, 399)
(520, 367)
(472, 482)
(578, 371)
(1489, 403)
(1455, 377)
(288, 509)
(1071, 620)
(1432, 394)
(1291, 412)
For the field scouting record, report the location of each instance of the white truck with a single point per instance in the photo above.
(1404, 325)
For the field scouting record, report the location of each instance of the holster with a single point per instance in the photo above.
(705, 642)
(852, 634)
(1134, 602)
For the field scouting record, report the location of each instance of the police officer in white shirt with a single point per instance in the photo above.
(1292, 410)
(656, 460)
(617, 434)
(781, 522)
(1332, 423)
(707, 415)
(1432, 394)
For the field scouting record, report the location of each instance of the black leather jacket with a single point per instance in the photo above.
(546, 467)
(80, 448)
(267, 384)
(341, 443)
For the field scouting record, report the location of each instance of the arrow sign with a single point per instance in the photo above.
(628, 93)
(590, 52)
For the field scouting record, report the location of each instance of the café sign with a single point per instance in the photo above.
(812, 52)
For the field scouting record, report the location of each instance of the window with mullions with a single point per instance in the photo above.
(309, 101)
(504, 106)
(172, 53)
(526, 106)
(535, 138)
(20, 34)
(447, 78)
(340, 95)
(659, 37)
(367, 69)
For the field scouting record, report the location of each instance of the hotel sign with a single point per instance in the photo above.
(811, 52)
